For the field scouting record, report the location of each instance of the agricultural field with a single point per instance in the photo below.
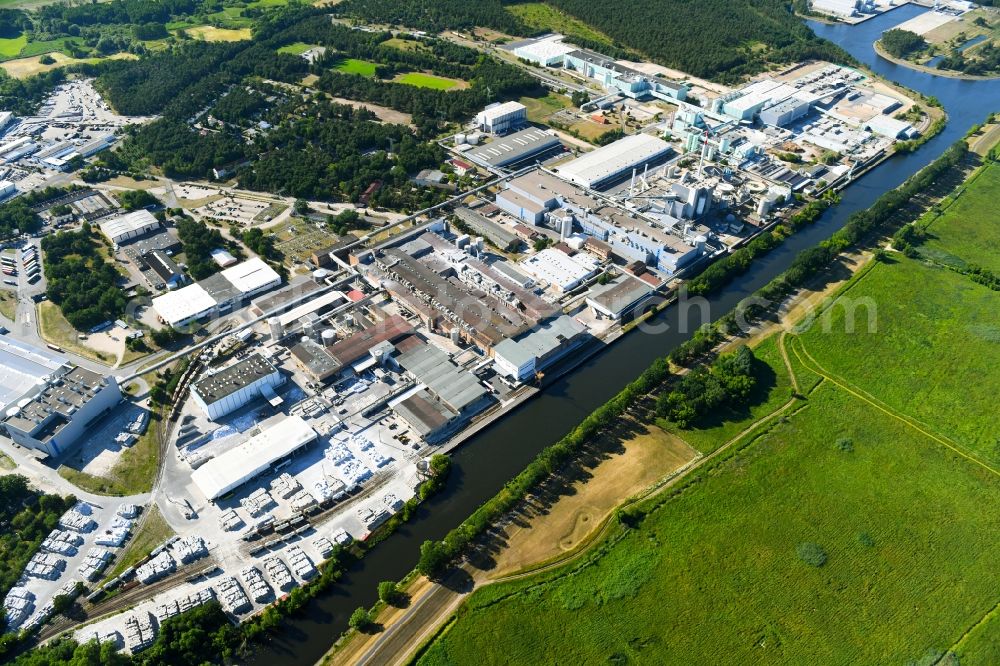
(541, 16)
(848, 528)
(355, 66)
(405, 44)
(22, 68)
(10, 47)
(422, 80)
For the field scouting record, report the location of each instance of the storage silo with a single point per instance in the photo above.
(329, 337)
(274, 324)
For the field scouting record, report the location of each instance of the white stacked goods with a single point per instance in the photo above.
(190, 549)
(230, 520)
(342, 538)
(254, 579)
(378, 459)
(285, 486)
(278, 572)
(129, 510)
(77, 521)
(68, 589)
(353, 473)
(161, 565)
(108, 636)
(232, 596)
(177, 606)
(338, 453)
(62, 542)
(324, 546)
(40, 615)
(112, 537)
(18, 605)
(139, 632)
(302, 501)
(96, 561)
(373, 517)
(45, 565)
(301, 564)
(258, 502)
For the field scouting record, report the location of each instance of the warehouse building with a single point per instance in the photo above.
(165, 274)
(522, 357)
(890, 127)
(556, 268)
(497, 234)
(252, 458)
(7, 188)
(233, 387)
(216, 294)
(547, 51)
(785, 112)
(618, 298)
(515, 148)
(23, 367)
(60, 410)
(357, 350)
(600, 167)
(843, 8)
(502, 118)
(520, 206)
(124, 228)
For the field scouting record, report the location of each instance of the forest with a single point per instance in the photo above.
(198, 241)
(80, 281)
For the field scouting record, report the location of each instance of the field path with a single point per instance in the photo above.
(812, 364)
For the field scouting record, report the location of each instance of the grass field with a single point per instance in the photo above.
(421, 80)
(298, 48)
(22, 68)
(11, 47)
(8, 303)
(540, 108)
(354, 66)
(969, 229)
(212, 34)
(541, 16)
(405, 44)
(54, 328)
(854, 528)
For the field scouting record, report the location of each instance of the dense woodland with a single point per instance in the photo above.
(199, 240)
(80, 280)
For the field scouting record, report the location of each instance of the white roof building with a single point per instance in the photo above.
(890, 127)
(253, 457)
(223, 258)
(252, 277)
(181, 307)
(601, 165)
(546, 52)
(559, 269)
(126, 227)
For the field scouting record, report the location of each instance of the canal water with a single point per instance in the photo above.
(487, 461)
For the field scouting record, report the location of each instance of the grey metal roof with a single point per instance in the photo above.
(513, 147)
(221, 289)
(231, 379)
(424, 413)
(618, 295)
(456, 387)
(22, 367)
(540, 340)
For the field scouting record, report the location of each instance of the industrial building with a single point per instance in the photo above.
(502, 118)
(843, 8)
(617, 78)
(888, 126)
(785, 111)
(216, 294)
(234, 386)
(60, 409)
(514, 148)
(522, 357)
(124, 228)
(546, 51)
(521, 206)
(357, 351)
(7, 188)
(23, 367)
(619, 297)
(165, 274)
(497, 234)
(252, 458)
(601, 166)
(555, 268)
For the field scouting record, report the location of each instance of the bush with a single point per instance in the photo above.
(388, 592)
(845, 444)
(812, 554)
(360, 620)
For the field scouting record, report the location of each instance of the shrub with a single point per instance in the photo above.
(812, 554)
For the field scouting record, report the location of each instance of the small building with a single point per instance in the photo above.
(433, 178)
(521, 206)
(233, 387)
(252, 277)
(223, 258)
(124, 228)
(325, 258)
(163, 267)
(502, 118)
(252, 458)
